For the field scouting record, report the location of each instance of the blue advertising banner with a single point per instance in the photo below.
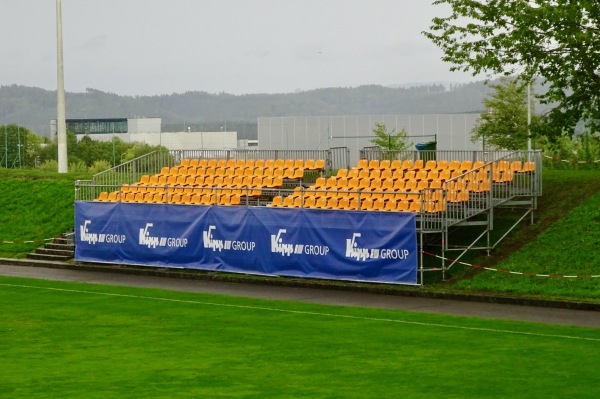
(341, 245)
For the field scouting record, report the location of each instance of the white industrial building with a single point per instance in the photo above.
(450, 131)
(149, 131)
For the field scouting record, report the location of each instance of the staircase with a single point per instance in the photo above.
(60, 249)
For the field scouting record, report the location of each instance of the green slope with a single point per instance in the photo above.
(564, 240)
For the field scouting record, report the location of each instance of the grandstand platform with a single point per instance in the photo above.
(443, 189)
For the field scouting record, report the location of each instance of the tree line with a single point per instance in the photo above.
(34, 107)
(22, 148)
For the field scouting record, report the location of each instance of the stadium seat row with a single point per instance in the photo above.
(452, 165)
(290, 168)
(250, 186)
(309, 164)
(287, 173)
(367, 204)
(222, 198)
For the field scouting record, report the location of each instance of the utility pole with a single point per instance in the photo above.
(61, 123)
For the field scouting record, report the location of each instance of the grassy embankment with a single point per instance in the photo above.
(564, 240)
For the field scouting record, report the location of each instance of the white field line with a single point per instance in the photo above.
(302, 312)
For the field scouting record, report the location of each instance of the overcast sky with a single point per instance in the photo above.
(145, 47)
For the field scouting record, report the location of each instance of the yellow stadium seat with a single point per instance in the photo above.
(421, 175)
(403, 206)
(374, 164)
(398, 174)
(399, 185)
(269, 164)
(102, 197)
(528, 167)
(396, 164)
(342, 173)
(208, 199)
(442, 164)
(343, 203)
(158, 198)
(362, 164)
(415, 206)
(366, 204)
(277, 201)
(430, 165)
(375, 174)
(364, 174)
(378, 204)
(195, 199)
(164, 171)
(386, 174)
(332, 203)
(309, 202)
(390, 205)
(288, 173)
(321, 202)
(352, 173)
(454, 165)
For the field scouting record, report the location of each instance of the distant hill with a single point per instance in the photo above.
(34, 107)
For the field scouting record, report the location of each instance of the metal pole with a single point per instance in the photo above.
(61, 125)
(529, 118)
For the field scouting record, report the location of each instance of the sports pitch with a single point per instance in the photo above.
(72, 340)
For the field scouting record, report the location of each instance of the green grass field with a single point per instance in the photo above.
(69, 340)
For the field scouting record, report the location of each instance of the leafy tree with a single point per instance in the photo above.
(555, 40)
(392, 141)
(504, 124)
(136, 150)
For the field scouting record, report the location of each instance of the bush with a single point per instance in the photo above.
(99, 166)
(78, 166)
(50, 165)
(579, 152)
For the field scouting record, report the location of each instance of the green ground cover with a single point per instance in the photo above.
(569, 247)
(563, 240)
(33, 209)
(70, 340)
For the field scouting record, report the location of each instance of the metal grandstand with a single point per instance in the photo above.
(480, 183)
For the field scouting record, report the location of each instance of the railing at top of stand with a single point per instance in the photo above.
(379, 153)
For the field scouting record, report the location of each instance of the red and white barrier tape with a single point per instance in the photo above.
(510, 271)
(569, 161)
(25, 241)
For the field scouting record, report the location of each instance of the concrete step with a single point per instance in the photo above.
(57, 252)
(48, 257)
(64, 247)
